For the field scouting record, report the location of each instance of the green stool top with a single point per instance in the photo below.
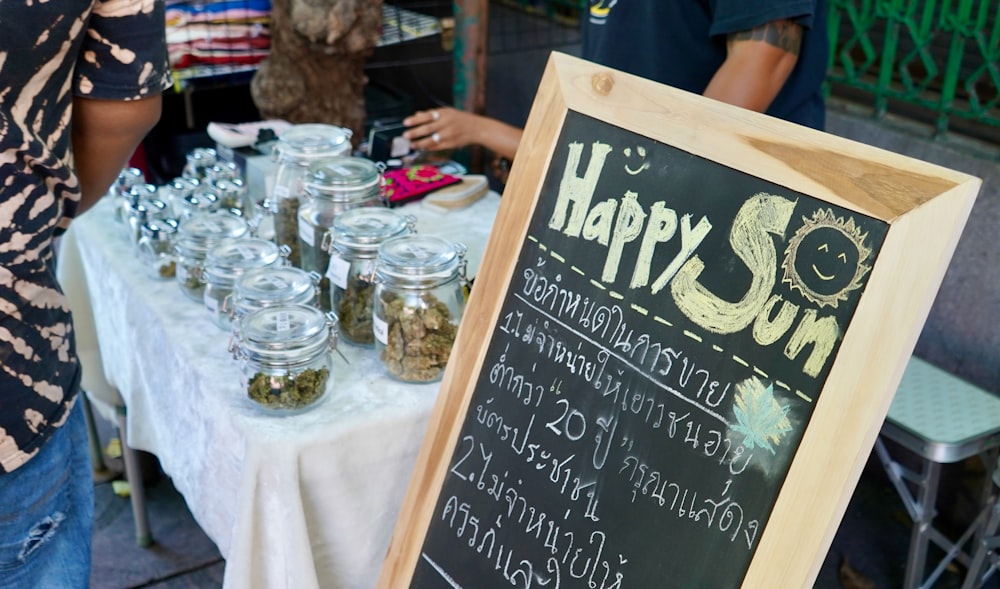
(940, 416)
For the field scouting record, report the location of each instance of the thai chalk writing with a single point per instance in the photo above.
(644, 403)
(473, 464)
(510, 379)
(618, 221)
(641, 350)
(669, 367)
(565, 562)
(683, 501)
(592, 414)
(564, 556)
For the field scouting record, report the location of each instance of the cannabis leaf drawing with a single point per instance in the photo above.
(761, 419)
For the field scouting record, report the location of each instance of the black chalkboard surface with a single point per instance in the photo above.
(668, 327)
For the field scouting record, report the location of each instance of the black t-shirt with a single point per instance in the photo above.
(683, 42)
(49, 51)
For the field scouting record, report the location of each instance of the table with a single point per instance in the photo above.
(301, 501)
(940, 419)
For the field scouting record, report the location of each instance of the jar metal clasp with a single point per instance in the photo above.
(382, 184)
(463, 262)
(234, 344)
(334, 335)
(326, 244)
(228, 306)
(284, 250)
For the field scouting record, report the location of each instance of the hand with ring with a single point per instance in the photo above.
(445, 128)
(441, 128)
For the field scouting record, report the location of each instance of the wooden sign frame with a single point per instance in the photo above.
(923, 207)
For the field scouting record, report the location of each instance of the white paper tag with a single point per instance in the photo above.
(269, 185)
(338, 271)
(277, 282)
(283, 322)
(381, 329)
(307, 232)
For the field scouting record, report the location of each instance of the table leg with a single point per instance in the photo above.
(101, 472)
(924, 509)
(987, 540)
(137, 492)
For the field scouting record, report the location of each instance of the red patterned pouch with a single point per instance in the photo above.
(405, 184)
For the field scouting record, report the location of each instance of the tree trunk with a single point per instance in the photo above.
(314, 72)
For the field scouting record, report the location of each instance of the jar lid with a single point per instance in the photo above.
(231, 257)
(138, 192)
(159, 228)
(128, 178)
(201, 201)
(366, 228)
(223, 170)
(265, 287)
(184, 184)
(204, 156)
(176, 189)
(147, 208)
(312, 140)
(287, 333)
(227, 187)
(203, 230)
(214, 226)
(418, 256)
(342, 176)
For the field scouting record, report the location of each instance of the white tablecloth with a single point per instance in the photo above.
(302, 501)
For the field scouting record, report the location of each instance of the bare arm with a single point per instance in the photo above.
(451, 128)
(105, 134)
(758, 63)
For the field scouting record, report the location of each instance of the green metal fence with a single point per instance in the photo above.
(935, 60)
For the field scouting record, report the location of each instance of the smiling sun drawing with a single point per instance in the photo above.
(825, 259)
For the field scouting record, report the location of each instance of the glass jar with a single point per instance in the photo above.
(141, 211)
(223, 170)
(156, 248)
(285, 355)
(353, 244)
(231, 194)
(330, 187)
(126, 179)
(198, 161)
(195, 238)
(199, 201)
(175, 191)
(420, 289)
(225, 262)
(297, 148)
(135, 194)
(269, 287)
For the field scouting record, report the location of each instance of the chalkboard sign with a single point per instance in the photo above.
(678, 352)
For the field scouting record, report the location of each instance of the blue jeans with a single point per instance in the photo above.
(47, 513)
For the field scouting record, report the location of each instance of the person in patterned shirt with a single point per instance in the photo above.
(80, 85)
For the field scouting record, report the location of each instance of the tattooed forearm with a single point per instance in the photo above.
(783, 34)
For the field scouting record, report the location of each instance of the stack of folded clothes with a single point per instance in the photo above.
(217, 36)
